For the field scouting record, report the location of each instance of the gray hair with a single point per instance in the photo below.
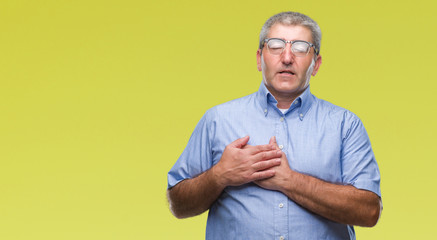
(292, 18)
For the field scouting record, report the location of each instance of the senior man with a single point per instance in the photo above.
(279, 163)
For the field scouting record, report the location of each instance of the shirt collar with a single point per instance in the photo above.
(305, 100)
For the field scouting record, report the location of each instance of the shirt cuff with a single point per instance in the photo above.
(368, 185)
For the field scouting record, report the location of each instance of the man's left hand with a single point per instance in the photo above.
(282, 176)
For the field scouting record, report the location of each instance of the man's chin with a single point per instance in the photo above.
(291, 89)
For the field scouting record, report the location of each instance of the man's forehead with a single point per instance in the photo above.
(290, 32)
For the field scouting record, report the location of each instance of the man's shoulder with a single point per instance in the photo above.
(328, 106)
(335, 111)
(234, 106)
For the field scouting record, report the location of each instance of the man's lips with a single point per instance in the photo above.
(286, 72)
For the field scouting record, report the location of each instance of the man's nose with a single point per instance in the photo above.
(287, 55)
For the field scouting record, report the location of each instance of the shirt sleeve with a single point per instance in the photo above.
(358, 160)
(197, 156)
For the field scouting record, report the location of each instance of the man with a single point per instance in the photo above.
(316, 177)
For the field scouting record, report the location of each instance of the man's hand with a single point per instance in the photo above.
(241, 163)
(282, 172)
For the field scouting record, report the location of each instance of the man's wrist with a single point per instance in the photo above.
(290, 183)
(216, 177)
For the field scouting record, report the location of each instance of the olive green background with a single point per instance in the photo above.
(99, 98)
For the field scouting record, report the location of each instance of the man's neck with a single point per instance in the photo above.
(284, 103)
(285, 99)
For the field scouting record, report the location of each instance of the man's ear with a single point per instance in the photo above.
(317, 65)
(258, 59)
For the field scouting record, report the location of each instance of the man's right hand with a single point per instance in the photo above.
(239, 164)
(242, 163)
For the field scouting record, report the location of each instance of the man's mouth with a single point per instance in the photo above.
(286, 72)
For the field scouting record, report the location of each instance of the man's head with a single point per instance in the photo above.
(289, 53)
(292, 19)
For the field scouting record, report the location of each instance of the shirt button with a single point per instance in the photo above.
(281, 205)
(281, 238)
(281, 146)
(281, 119)
(265, 110)
(301, 115)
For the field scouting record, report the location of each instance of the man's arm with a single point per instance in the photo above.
(340, 203)
(193, 196)
(238, 165)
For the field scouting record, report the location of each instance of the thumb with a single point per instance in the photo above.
(241, 142)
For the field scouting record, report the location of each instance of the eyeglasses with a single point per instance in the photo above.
(299, 48)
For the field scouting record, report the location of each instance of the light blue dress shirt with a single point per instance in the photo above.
(320, 139)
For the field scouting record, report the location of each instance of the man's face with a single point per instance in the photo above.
(286, 75)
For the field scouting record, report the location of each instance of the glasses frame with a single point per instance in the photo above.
(291, 42)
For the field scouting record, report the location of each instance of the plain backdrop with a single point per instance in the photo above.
(99, 98)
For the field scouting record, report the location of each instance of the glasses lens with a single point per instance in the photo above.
(300, 49)
(275, 46)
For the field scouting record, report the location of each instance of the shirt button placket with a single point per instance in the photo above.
(283, 212)
(283, 128)
(281, 217)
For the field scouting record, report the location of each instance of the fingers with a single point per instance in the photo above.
(260, 148)
(242, 142)
(239, 143)
(273, 142)
(262, 165)
(264, 174)
(267, 155)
